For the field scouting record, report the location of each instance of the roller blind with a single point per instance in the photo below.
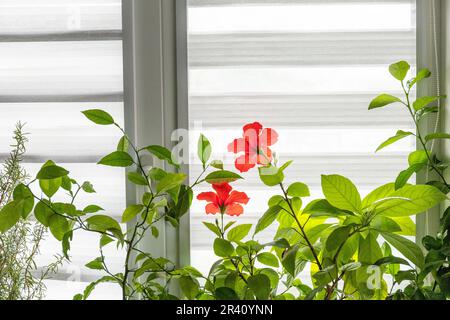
(307, 69)
(57, 58)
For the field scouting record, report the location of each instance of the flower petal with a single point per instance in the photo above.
(237, 197)
(245, 163)
(208, 196)
(253, 128)
(238, 145)
(234, 210)
(211, 208)
(223, 190)
(266, 158)
(268, 137)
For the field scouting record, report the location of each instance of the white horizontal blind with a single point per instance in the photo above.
(309, 70)
(57, 58)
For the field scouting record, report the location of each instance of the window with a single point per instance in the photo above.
(308, 69)
(60, 57)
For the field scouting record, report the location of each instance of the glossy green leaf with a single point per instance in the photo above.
(9, 215)
(411, 200)
(23, 194)
(49, 172)
(289, 261)
(99, 117)
(399, 70)
(92, 209)
(223, 248)
(407, 248)
(391, 260)
(162, 153)
(170, 181)
(123, 145)
(222, 176)
(239, 232)
(96, 264)
(217, 164)
(271, 176)
(421, 75)
(424, 102)
(383, 100)
(137, 179)
(268, 259)
(117, 159)
(131, 212)
(104, 223)
(59, 226)
(379, 193)
(267, 219)
(43, 212)
(213, 228)
(341, 193)
(369, 250)
(385, 224)
(298, 189)
(260, 285)
(337, 238)
(435, 136)
(398, 136)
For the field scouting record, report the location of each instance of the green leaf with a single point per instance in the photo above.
(49, 172)
(99, 117)
(399, 135)
(189, 287)
(424, 102)
(204, 149)
(42, 212)
(399, 70)
(92, 209)
(341, 193)
(407, 248)
(222, 176)
(156, 174)
(58, 226)
(268, 218)
(337, 238)
(10, 215)
(268, 259)
(298, 189)
(123, 145)
(155, 231)
(105, 240)
(137, 178)
(170, 181)
(23, 194)
(418, 157)
(213, 228)
(96, 264)
(104, 223)
(404, 176)
(408, 227)
(238, 233)
(435, 136)
(260, 285)
(322, 208)
(391, 260)
(227, 294)
(131, 212)
(379, 193)
(223, 248)
(289, 261)
(217, 164)
(369, 250)
(271, 176)
(383, 100)
(88, 187)
(422, 74)
(117, 159)
(162, 153)
(411, 200)
(385, 224)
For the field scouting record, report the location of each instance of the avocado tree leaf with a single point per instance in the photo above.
(383, 100)
(341, 193)
(99, 117)
(407, 248)
(398, 136)
(399, 70)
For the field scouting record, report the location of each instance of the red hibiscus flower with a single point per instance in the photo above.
(224, 200)
(255, 145)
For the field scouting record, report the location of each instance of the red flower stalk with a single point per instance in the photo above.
(255, 145)
(224, 200)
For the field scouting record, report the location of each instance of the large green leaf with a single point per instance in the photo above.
(117, 159)
(131, 212)
(58, 226)
(260, 285)
(398, 136)
(337, 238)
(383, 100)
(10, 215)
(369, 250)
(379, 193)
(23, 194)
(341, 193)
(269, 259)
(170, 181)
(411, 200)
(435, 136)
(49, 172)
(99, 117)
(298, 189)
(405, 175)
(399, 70)
(422, 74)
(104, 223)
(162, 153)
(268, 218)
(407, 248)
(423, 102)
(239, 232)
(223, 248)
(222, 176)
